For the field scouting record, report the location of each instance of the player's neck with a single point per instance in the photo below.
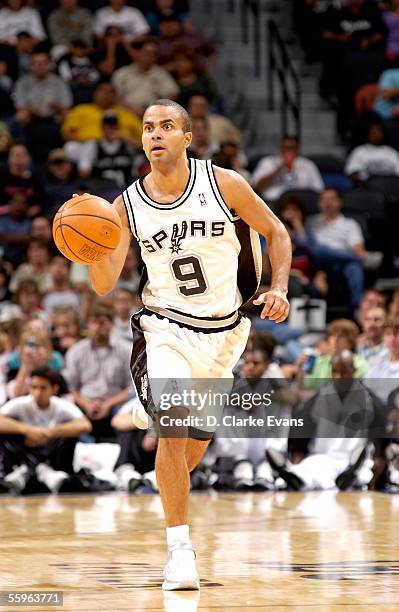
(167, 179)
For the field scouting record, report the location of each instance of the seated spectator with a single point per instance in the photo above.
(5, 143)
(61, 294)
(78, 70)
(276, 174)
(231, 157)
(130, 19)
(114, 51)
(143, 82)
(27, 302)
(35, 350)
(85, 121)
(124, 306)
(98, 373)
(221, 128)
(382, 377)
(136, 462)
(110, 158)
(69, 22)
(36, 266)
(372, 298)
(391, 20)
(332, 229)
(60, 180)
(65, 327)
(41, 228)
(24, 50)
(387, 102)
(42, 99)
(340, 421)
(357, 26)
(16, 18)
(201, 146)
(342, 335)
(129, 277)
(18, 178)
(162, 9)
(41, 431)
(372, 158)
(14, 230)
(189, 77)
(5, 293)
(172, 35)
(370, 345)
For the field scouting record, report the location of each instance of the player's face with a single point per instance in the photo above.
(164, 139)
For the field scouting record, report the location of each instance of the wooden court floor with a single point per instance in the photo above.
(279, 552)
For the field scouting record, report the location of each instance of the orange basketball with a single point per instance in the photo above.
(86, 229)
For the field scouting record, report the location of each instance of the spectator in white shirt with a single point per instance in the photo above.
(276, 174)
(332, 229)
(38, 434)
(16, 18)
(371, 347)
(143, 82)
(383, 377)
(372, 158)
(129, 19)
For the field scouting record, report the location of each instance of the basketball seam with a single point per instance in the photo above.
(78, 202)
(90, 215)
(103, 246)
(67, 245)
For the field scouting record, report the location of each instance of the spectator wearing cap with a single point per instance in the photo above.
(60, 180)
(97, 370)
(15, 18)
(110, 158)
(77, 69)
(42, 99)
(221, 129)
(70, 22)
(18, 178)
(143, 82)
(129, 19)
(85, 121)
(172, 34)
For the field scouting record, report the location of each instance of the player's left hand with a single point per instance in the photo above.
(276, 306)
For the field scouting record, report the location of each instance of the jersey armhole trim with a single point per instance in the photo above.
(216, 192)
(129, 210)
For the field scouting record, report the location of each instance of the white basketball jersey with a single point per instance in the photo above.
(200, 258)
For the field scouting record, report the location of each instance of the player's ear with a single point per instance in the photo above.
(188, 138)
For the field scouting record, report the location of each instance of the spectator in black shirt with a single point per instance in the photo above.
(18, 178)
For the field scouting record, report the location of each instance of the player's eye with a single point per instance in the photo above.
(167, 126)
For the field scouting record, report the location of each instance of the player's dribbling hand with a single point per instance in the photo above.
(276, 306)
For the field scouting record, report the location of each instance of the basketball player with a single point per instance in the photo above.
(197, 227)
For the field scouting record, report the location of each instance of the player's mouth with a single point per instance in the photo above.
(157, 149)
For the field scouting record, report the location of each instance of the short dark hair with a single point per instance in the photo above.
(290, 137)
(47, 373)
(291, 200)
(99, 310)
(184, 116)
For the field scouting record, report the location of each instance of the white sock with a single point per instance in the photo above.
(178, 535)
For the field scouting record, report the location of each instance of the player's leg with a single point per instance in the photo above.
(195, 450)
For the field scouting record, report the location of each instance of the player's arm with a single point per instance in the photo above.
(104, 274)
(238, 195)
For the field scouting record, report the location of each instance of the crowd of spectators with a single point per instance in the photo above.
(75, 78)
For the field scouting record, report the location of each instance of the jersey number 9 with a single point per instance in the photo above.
(189, 276)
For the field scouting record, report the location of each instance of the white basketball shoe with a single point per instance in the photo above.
(180, 572)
